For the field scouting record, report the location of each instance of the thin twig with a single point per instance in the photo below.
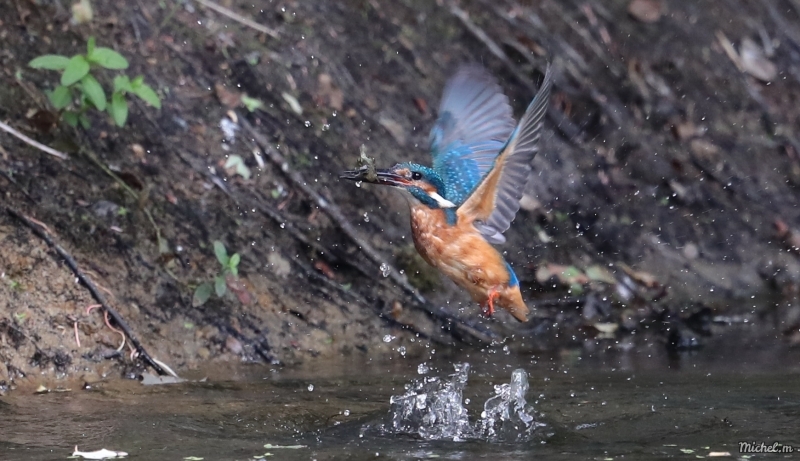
(31, 142)
(87, 282)
(238, 18)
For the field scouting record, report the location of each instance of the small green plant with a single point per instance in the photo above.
(80, 90)
(230, 268)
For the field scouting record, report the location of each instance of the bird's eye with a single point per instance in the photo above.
(416, 176)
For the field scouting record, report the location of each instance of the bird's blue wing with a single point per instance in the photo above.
(495, 202)
(475, 121)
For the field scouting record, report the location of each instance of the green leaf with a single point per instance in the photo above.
(71, 118)
(108, 58)
(90, 46)
(220, 287)
(76, 68)
(122, 84)
(238, 163)
(61, 97)
(234, 262)
(50, 61)
(93, 90)
(221, 253)
(118, 109)
(84, 121)
(137, 81)
(147, 94)
(251, 103)
(201, 294)
(576, 289)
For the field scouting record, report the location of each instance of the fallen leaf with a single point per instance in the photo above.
(82, 12)
(397, 309)
(727, 46)
(705, 150)
(781, 228)
(529, 203)
(643, 278)
(754, 62)
(684, 130)
(328, 94)
(227, 98)
(421, 105)
(606, 328)
(567, 275)
(647, 11)
(280, 265)
(239, 289)
(43, 120)
(599, 273)
(138, 151)
(293, 103)
(326, 270)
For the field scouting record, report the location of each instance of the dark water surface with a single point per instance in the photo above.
(604, 404)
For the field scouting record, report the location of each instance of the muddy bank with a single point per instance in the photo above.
(665, 192)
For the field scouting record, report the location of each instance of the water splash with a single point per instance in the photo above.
(507, 415)
(433, 409)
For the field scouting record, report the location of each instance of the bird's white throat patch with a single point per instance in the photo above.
(441, 201)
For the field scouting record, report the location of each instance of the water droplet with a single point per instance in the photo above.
(346, 413)
(358, 183)
(402, 350)
(385, 269)
(310, 388)
(307, 123)
(388, 338)
(326, 127)
(283, 225)
(335, 114)
(423, 368)
(366, 219)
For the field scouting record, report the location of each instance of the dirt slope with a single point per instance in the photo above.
(663, 158)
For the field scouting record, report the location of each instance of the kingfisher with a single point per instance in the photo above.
(467, 199)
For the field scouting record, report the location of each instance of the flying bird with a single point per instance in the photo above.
(467, 199)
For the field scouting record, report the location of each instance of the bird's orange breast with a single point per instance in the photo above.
(462, 254)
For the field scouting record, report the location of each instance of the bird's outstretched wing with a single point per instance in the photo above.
(475, 120)
(495, 201)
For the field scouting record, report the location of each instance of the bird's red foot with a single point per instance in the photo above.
(488, 310)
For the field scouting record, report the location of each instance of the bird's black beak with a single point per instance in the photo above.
(371, 175)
